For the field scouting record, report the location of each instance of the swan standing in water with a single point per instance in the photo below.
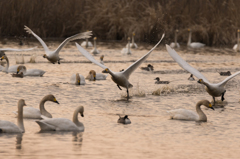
(120, 78)
(77, 79)
(33, 113)
(236, 47)
(124, 120)
(30, 72)
(9, 127)
(215, 90)
(184, 114)
(127, 49)
(191, 44)
(175, 44)
(92, 76)
(133, 45)
(53, 56)
(94, 51)
(86, 43)
(62, 124)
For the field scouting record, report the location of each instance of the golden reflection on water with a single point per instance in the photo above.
(151, 134)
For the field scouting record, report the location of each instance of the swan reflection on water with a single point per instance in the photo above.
(18, 138)
(77, 138)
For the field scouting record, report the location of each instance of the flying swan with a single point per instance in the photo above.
(53, 56)
(215, 90)
(184, 114)
(120, 78)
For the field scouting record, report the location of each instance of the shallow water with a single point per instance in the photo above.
(151, 134)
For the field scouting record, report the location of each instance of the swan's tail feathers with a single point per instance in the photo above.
(44, 117)
(28, 30)
(45, 126)
(83, 35)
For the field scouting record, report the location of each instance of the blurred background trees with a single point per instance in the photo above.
(213, 22)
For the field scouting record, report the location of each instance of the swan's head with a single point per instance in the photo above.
(21, 103)
(101, 57)
(95, 38)
(51, 97)
(200, 81)
(78, 79)
(3, 57)
(189, 29)
(106, 71)
(81, 110)
(158, 79)
(208, 104)
(21, 68)
(93, 74)
(44, 56)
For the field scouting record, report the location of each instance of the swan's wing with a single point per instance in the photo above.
(89, 56)
(11, 49)
(184, 64)
(227, 79)
(9, 127)
(34, 72)
(28, 30)
(135, 65)
(183, 114)
(83, 35)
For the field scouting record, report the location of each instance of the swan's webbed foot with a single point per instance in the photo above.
(222, 98)
(119, 87)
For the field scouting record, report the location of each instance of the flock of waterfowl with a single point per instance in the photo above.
(121, 79)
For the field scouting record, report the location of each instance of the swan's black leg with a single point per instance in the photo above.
(58, 62)
(213, 100)
(53, 63)
(223, 95)
(127, 94)
(119, 87)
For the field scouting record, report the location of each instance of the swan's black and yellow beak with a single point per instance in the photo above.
(55, 100)
(2, 58)
(200, 81)
(78, 82)
(210, 106)
(82, 115)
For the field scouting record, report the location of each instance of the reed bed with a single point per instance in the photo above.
(213, 22)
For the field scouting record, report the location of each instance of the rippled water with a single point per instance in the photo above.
(152, 134)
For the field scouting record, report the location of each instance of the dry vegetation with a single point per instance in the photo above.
(214, 22)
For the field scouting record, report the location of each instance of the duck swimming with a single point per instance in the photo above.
(161, 82)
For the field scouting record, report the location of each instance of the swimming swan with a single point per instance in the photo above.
(53, 56)
(7, 69)
(175, 44)
(124, 120)
(127, 49)
(184, 114)
(120, 78)
(62, 124)
(33, 113)
(236, 47)
(92, 76)
(30, 72)
(77, 79)
(193, 44)
(95, 51)
(9, 127)
(215, 90)
(133, 44)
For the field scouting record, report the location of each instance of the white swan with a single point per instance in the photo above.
(53, 56)
(133, 44)
(30, 72)
(95, 51)
(191, 44)
(175, 44)
(77, 79)
(236, 47)
(92, 76)
(184, 114)
(33, 113)
(215, 90)
(86, 43)
(127, 49)
(62, 124)
(9, 127)
(101, 59)
(124, 120)
(120, 78)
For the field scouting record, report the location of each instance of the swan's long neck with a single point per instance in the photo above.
(202, 116)
(42, 108)
(6, 68)
(86, 42)
(20, 118)
(175, 39)
(95, 44)
(189, 38)
(132, 40)
(75, 117)
(128, 46)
